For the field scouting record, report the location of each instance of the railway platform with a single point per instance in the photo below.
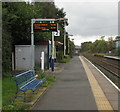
(80, 86)
(113, 57)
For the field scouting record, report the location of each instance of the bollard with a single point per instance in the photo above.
(42, 61)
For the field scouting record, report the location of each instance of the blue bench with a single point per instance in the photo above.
(27, 81)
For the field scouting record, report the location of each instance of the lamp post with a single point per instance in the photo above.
(53, 52)
(32, 45)
(69, 43)
(64, 40)
(65, 20)
(72, 39)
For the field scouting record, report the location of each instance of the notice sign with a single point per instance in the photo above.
(57, 33)
(45, 27)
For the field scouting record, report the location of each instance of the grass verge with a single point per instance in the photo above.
(0, 93)
(99, 54)
(50, 79)
(9, 92)
(65, 59)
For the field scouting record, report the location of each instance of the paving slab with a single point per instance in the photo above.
(109, 90)
(72, 90)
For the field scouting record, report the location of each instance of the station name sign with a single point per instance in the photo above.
(46, 27)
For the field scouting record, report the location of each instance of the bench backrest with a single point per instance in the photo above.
(24, 78)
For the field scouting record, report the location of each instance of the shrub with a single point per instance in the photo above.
(65, 59)
(50, 79)
(15, 107)
(59, 56)
(8, 90)
(118, 51)
(99, 54)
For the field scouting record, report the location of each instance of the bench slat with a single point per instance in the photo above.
(31, 86)
(24, 73)
(27, 81)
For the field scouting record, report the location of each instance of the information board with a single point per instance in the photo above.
(45, 27)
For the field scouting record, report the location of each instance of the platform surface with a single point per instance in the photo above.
(73, 90)
(111, 93)
(113, 57)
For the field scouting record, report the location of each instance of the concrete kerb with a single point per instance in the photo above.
(111, 96)
(41, 95)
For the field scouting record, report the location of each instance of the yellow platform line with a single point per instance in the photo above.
(100, 98)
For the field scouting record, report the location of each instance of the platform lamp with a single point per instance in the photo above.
(69, 43)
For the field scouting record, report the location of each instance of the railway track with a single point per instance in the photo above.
(109, 64)
(109, 67)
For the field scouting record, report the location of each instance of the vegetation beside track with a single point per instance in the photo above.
(99, 54)
(102, 47)
(16, 21)
(65, 59)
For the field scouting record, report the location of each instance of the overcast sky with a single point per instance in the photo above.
(90, 20)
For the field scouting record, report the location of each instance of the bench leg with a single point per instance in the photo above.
(34, 92)
(16, 94)
(26, 99)
(24, 96)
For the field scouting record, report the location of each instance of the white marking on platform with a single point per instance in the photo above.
(103, 74)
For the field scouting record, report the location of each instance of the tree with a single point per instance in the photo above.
(99, 46)
(71, 48)
(16, 19)
(117, 38)
(111, 44)
(86, 46)
(102, 37)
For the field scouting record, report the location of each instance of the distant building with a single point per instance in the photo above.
(77, 50)
(77, 47)
(117, 43)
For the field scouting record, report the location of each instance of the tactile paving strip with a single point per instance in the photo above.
(100, 98)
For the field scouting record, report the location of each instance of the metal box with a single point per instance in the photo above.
(23, 57)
